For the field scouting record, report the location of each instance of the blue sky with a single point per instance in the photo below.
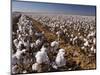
(23, 6)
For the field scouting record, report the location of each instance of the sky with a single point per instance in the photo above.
(24, 6)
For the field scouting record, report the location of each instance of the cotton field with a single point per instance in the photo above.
(52, 42)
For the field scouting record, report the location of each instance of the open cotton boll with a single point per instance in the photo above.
(15, 41)
(35, 67)
(86, 43)
(32, 45)
(19, 45)
(85, 39)
(39, 58)
(44, 49)
(80, 37)
(58, 34)
(31, 32)
(93, 49)
(91, 34)
(82, 47)
(94, 41)
(24, 50)
(42, 57)
(20, 28)
(24, 71)
(72, 35)
(19, 36)
(14, 60)
(55, 44)
(18, 31)
(38, 42)
(60, 60)
(61, 50)
(19, 53)
(54, 65)
(71, 39)
(14, 68)
(75, 38)
(26, 44)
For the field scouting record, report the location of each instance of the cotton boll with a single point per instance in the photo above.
(19, 36)
(46, 58)
(72, 35)
(94, 50)
(54, 65)
(44, 49)
(26, 44)
(65, 30)
(20, 28)
(74, 40)
(80, 37)
(59, 33)
(18, 31)
(85, 39)
(35, 67)
(39, 57)
(24, 50)
(91, 34)
(82, 47)
(86, 43)
(15, 41)
(13, 33)
(14, 69)
(24, 71)
(42, 57)
(60, 60)
(19, 53)
(38, 42)
(78, 33)
(71, 39)
(30, 32)
(32, 45)
(88, 35)
(55, 44)
(19, 45)
(94, 41)
(61, 50)
(14, 60)
(26, 34)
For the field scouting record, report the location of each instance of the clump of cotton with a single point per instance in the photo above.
(55, 45)
(60, 59)
(24, 71)
(38, 42)
(42, 57)
(35, 67)
(15, 41)
(19, 53)
(86, 42)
